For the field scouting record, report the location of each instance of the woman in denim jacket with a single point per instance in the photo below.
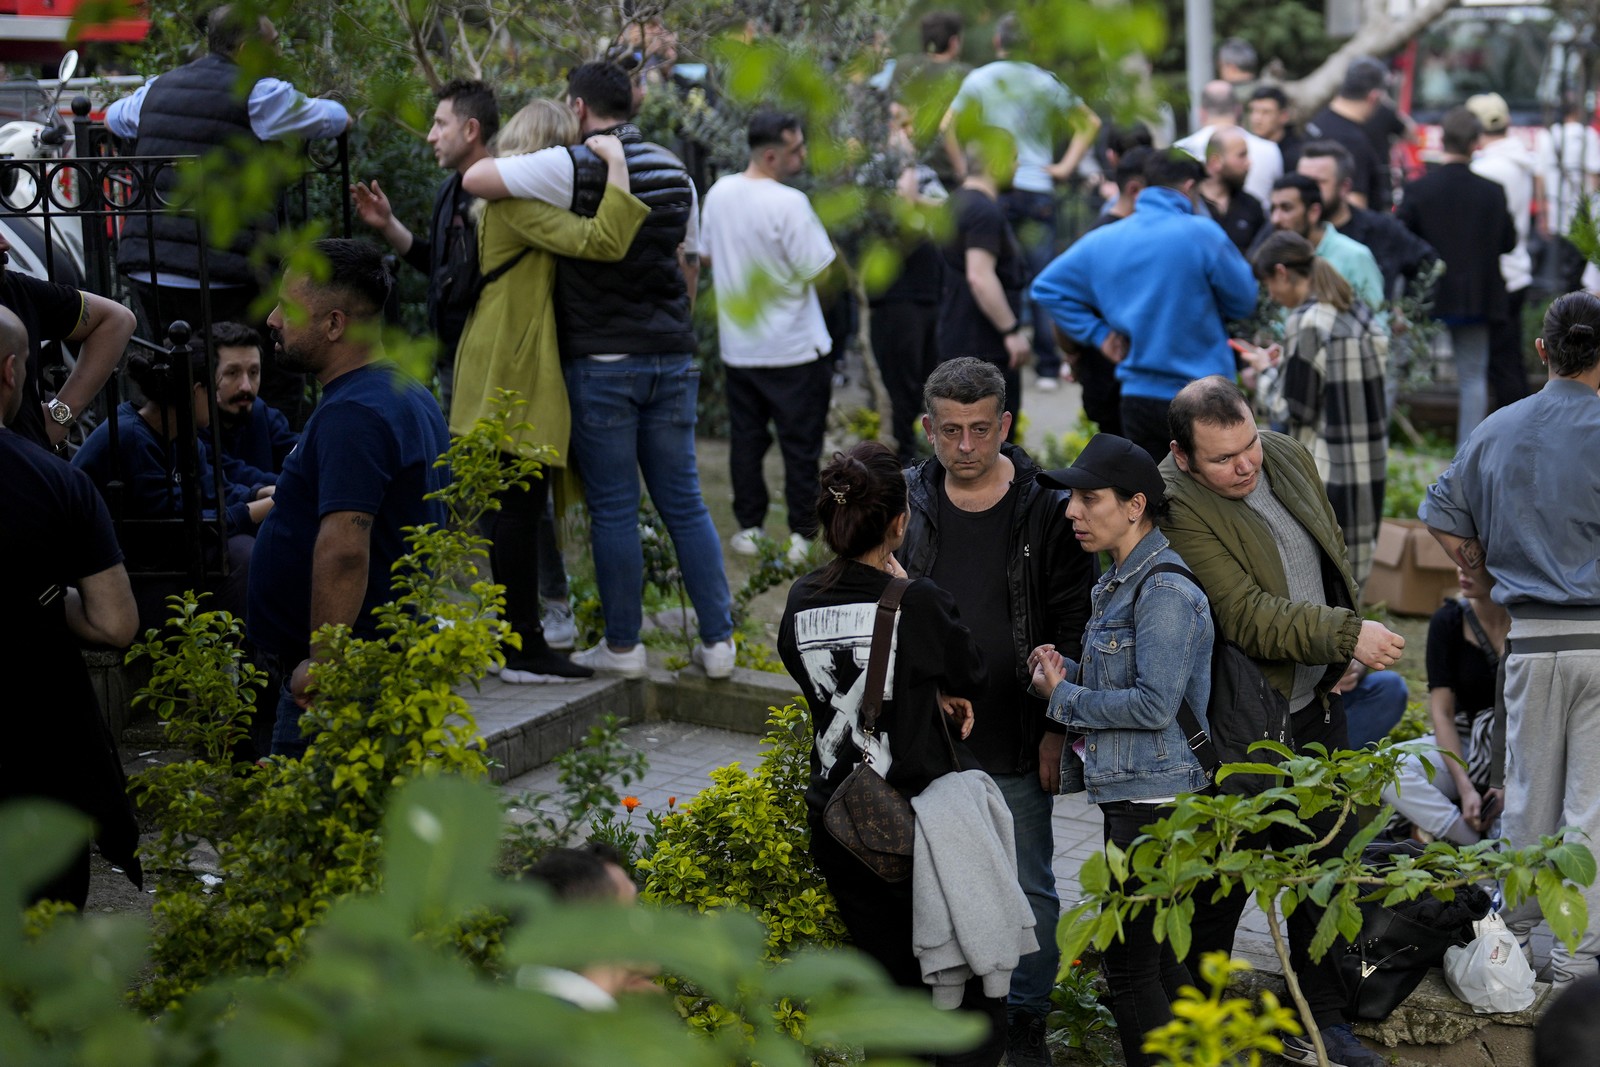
(1145, 652)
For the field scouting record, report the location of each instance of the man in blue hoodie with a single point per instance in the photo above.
(1154, 293)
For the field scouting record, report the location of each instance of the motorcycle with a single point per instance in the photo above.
(34, 130)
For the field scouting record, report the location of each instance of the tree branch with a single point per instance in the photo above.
(1379, 34)
(1291, 980)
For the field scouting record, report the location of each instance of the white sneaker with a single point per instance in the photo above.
(560, 630)
(799, 547)
(629, 664)
(716, 660)
(744, 542)
(1048, 385)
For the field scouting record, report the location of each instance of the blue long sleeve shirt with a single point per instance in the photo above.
(1165, 278)
(254, 448)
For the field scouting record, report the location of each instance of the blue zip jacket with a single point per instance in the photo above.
(1165, 278)
(1142, 657)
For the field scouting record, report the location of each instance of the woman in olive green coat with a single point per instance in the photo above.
(510, 343)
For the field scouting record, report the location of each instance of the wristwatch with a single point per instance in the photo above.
(1016, 327)
(60, 412)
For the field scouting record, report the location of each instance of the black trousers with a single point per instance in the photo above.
(1215, 925)
(793, 402)
(906, 344)
(1144, 978)
(877, 915)
(1508, 379)
(514, 534)
(1102, 393)
(1144, 422)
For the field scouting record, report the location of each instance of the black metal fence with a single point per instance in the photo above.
(65, 215)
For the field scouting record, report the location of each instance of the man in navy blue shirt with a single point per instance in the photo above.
(357, 479)
(256, 438)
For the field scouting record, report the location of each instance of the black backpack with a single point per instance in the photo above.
(1244, 708)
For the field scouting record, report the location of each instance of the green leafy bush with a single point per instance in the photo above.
(744, 844)
(284, 839)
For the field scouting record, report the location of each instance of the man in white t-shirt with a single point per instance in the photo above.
(766, 247)
(1219, 108)
(1038, 111)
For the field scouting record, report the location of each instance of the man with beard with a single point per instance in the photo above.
(1222, 189)
(1297, 207)
(1402, 256)
(256, 438)
(360, 476)
(464, 120)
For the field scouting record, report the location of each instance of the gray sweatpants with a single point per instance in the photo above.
(1553, 763)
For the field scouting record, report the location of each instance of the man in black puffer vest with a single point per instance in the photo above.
(627, 347)
(198, 108)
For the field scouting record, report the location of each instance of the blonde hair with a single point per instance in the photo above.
(540, 124)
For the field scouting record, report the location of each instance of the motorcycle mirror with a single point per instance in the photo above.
(69, 66)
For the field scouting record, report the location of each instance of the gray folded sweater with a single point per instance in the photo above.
(969, 917)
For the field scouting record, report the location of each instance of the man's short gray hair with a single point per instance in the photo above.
(964, 380)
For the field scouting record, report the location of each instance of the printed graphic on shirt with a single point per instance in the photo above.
(835, 644)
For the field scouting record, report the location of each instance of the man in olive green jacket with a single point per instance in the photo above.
(1252, 520)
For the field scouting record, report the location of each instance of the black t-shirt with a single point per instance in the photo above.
(49, 312)
(975, 575)
(964, 330)
(1456, 665)
(824, 640)
(1370, 175)
(921, 278)
(1242, 221)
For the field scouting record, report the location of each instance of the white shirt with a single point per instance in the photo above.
(1566, 179)
(1266, 161)
(766, 246)
(1028, 103)
(1512, 166)
(277, 111)
(547, 175)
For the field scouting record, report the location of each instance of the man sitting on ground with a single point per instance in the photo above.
(256, 438)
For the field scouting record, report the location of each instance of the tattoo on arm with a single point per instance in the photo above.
(692, 258)
(1470, 554)
(83, 311)
(363, 521)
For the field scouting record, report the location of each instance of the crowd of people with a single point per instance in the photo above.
(564, 255)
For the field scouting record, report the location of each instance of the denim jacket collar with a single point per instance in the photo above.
(1131, 568)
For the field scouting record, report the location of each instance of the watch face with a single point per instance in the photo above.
(60, 412)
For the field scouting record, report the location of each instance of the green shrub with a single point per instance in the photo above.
(286, 838)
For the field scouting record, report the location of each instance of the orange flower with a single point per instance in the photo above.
(630, 802)
(672, 802)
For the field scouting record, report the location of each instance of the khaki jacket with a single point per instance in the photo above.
(1231, 550)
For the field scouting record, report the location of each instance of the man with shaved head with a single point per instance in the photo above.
(1219, 108)
(1227, 166)
(64, 585)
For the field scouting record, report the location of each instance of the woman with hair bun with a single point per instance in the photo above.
(824, 640)
(1520, 500)
(1329, 391)
(147, 466)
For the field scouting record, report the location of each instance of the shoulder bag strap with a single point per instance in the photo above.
(1483, 638)
(1199, 741)
(499, 272)
(878, 658)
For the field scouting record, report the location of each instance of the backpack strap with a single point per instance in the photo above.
(484, 281)
(1199, 741)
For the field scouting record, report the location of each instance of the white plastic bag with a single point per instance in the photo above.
(1490, 973)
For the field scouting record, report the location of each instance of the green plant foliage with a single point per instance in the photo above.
(1209, 1031)
(1199, 848)
(369, 990)
(744, 844)
(1079, 1018)
(288, 837)
(1406, 482)
(590, 774)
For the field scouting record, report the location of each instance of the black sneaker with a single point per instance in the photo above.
(1344, 1049)
(1025, 1044)
(546, 665)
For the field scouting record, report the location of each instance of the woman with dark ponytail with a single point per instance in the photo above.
(147, 466)
(1328, 394)
(824, 640)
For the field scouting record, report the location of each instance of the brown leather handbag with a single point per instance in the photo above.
(866, 814)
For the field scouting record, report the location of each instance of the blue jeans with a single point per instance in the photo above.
(1373, 707)
(287, 740)
(1469, 347)
(631, 415)
(1033, 217)
(1030, 808)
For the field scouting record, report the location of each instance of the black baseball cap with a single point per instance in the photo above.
(1110, 462)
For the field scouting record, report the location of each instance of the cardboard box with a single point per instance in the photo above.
(1410, 572)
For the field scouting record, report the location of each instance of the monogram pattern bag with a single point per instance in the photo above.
(866, 814)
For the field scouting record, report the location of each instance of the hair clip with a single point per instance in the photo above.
(838, 494)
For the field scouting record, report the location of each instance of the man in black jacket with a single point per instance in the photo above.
(464, 120)
(1020, 580)
(1464, 216)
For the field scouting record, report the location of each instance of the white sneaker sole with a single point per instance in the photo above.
(529, 678)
